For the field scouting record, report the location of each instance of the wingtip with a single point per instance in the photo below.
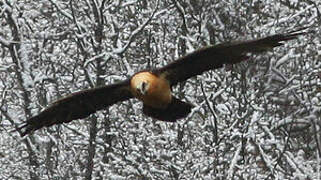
(278, 39)
(302, 30)
(24, 129)
(298, 32)
(28, 126)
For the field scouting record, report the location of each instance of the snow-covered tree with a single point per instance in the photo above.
(259, 119)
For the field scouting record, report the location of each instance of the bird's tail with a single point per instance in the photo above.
(177, 109)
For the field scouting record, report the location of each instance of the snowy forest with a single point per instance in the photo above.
(259, 119)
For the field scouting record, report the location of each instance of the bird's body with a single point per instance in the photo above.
(153, 87)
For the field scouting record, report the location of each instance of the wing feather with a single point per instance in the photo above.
(78, 105)
(216, 56)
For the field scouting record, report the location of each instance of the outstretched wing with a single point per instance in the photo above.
(216, 56)
(78, 105)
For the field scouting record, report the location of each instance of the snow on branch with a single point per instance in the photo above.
(233, 163)
(4, 42)
(121, 50)
(67, 15)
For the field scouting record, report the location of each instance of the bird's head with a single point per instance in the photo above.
(142, 87)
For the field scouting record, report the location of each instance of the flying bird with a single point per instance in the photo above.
(153, 87)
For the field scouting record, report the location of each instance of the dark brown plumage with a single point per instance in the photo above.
(78, 105)
(153, 87)
(177, 109)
